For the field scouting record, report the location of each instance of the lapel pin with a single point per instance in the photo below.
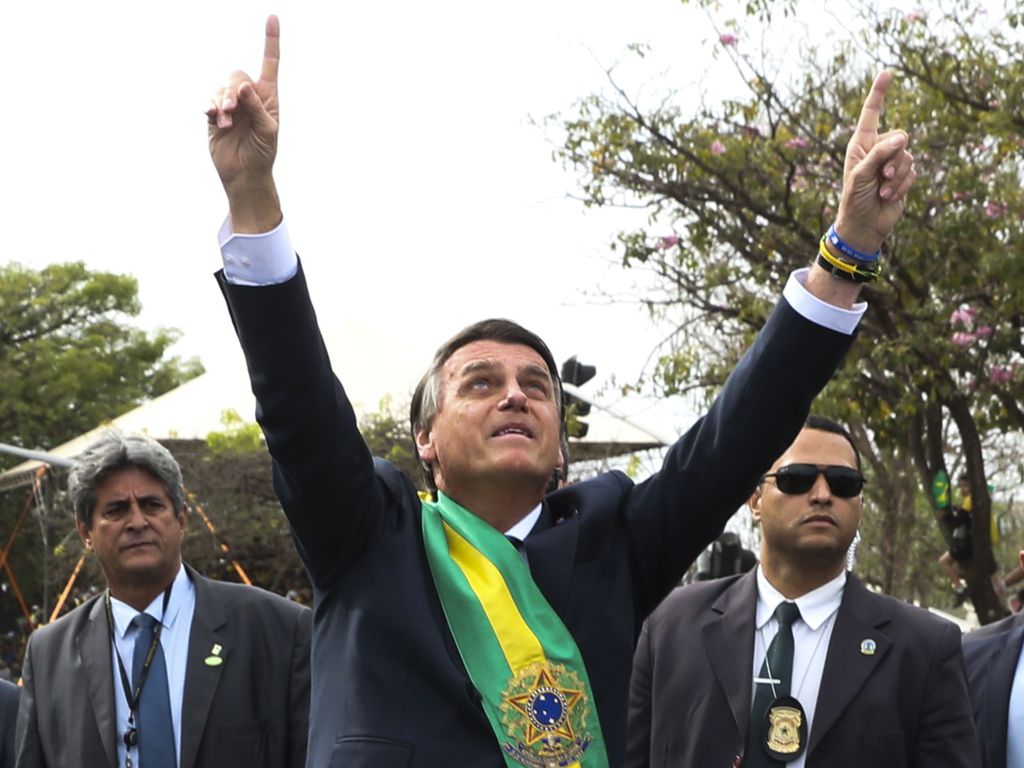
(867, 647)
(214, 659)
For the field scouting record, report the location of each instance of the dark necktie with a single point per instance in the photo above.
(520, 546)
(153, 717)
(778, 664)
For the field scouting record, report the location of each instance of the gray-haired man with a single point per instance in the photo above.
(165, 667)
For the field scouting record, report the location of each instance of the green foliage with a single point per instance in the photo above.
(238, 435)
(633, 466)
(69, 360)
(234, 490)
(740, 190)
(386, 434)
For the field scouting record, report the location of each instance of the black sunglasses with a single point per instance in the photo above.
(844, 482)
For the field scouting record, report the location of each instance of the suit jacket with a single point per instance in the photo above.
(250, 711)
(389, 685)
(10, 695)
(904, 705)
(991, 654)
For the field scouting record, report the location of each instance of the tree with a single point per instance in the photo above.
(740, 192)
(386, 434)
(69, 360)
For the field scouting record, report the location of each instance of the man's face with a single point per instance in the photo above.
(135, 532)
(815, 527)
(497, 420)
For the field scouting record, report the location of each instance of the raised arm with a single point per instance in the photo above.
(243, 120)
(710, 471)
(323, 472)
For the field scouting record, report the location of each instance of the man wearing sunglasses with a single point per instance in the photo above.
(797, 663)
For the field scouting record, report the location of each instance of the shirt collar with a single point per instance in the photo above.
(124, 613)
(815, 606)
(522, 529)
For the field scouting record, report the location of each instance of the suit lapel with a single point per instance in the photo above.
(201, 679)
(552, 555)
(999, 683)
(94, 654)
(860, 618)
(729, 642)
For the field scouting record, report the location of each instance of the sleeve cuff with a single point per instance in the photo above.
(821, 312)
(266, 258)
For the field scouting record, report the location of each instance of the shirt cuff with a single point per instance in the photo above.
(821, 312)
(266, 258)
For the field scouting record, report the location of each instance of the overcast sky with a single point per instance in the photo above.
(415, 186)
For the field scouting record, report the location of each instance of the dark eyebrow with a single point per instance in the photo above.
(483, 366)
(538, 370)
(476, 366)
(125, 500)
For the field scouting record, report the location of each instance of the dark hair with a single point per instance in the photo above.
(426, 399)
(114, 451)
(825, 424)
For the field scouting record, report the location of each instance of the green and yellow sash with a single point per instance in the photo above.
(518, 653)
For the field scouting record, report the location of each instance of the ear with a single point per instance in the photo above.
(425, 446)
(1022, 558)
(754, 504)
(83, 533)
(183, 518)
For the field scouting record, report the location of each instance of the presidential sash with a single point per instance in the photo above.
(518, 653)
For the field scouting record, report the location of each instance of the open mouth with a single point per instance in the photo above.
(512, 429)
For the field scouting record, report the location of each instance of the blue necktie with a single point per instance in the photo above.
(153, 717)
(779, 660)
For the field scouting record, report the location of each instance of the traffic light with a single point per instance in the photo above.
(576, 373)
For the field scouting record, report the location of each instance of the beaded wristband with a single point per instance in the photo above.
(848, 250)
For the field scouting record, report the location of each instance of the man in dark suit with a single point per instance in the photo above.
(223, 668)
(435, 641)
(10, 695)
(796, 663)
(995, 678)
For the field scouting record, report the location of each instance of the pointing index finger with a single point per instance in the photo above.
(871, 112)
(271, 50)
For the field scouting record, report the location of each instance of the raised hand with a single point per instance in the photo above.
(877, 175)
(243, 127)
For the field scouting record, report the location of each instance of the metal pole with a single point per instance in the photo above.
(25, 453)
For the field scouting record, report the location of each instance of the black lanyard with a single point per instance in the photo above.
(131, 735)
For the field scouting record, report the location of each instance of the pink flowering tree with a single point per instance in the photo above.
(747, 186)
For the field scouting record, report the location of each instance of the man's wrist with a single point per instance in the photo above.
(253, 205)
(841, 266)
(859, 238)
(831, 289)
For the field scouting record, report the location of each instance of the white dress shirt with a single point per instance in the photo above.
(811, 635)
(522, 529)
(177, 625)
(268, 258)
